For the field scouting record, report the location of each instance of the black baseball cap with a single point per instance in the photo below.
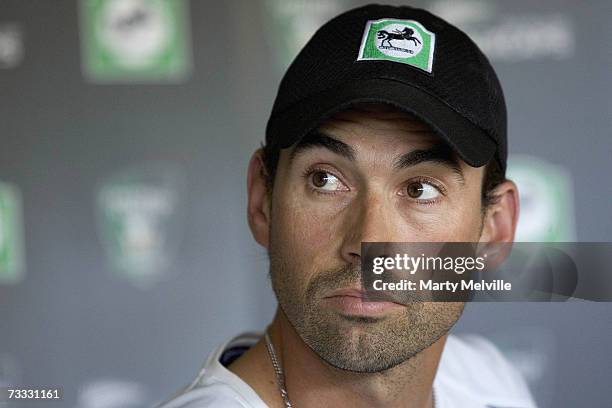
(400, 56)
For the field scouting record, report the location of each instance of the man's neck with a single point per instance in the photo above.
(310, 381)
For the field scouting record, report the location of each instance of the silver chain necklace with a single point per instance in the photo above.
(278, 370)
(280, 375)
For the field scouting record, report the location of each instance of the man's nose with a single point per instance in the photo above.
(371, 219)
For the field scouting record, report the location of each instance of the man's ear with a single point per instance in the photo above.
(258, 206)
(502, 215)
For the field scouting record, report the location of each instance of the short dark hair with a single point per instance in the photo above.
(493, 175)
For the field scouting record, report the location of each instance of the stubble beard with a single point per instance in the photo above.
(353, 343)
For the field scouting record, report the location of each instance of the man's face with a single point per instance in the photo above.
(369, 174)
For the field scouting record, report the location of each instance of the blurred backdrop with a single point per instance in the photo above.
(125, 131)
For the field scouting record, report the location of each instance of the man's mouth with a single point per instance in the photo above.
(356, 302)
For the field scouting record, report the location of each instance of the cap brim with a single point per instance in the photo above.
(471, 143)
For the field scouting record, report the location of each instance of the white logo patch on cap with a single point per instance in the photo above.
(403, 41)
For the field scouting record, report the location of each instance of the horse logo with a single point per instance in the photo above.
(406, 34)
(403, 41)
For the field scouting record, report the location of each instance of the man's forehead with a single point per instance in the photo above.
(378, 124)
(380, 135)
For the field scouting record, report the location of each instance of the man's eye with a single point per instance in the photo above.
(419, 190)
(326, 181)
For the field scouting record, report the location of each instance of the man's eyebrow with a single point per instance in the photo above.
(440, 153)
(318, 139)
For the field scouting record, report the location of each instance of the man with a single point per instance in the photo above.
(390, 126)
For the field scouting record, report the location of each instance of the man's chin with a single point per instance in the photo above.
(370, 343)
(357, 351)
(356, 343)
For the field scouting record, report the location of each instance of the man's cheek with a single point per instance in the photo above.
(460, 224)
(310, 237)
(307, 216)
(313, 235)
(464, 226)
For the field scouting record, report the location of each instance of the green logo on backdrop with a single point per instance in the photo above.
(545, 192)
(140, 220)
(135, 40)
(11, 235)
(404, 41)
(291, 23)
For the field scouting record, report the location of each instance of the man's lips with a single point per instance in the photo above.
(355, 302)
(358, 293)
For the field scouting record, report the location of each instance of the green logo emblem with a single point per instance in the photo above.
(140, 221)
(291, 23)
(135, 40)
(545, 191)
(404, 41)
(11, 235)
